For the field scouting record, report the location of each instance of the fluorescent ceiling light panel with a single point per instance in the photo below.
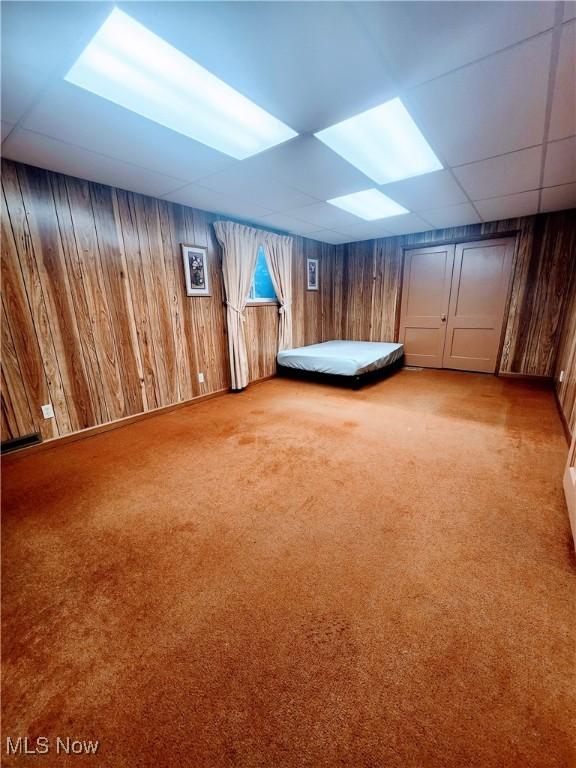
(370, 204)
(131, 66)
(384, 143)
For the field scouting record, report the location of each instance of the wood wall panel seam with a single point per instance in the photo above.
(134, 265)
(90, 272)
(129, 398)
(129, 300)
(78, 293)
(168, 248)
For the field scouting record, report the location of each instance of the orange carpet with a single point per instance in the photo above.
(299, 575)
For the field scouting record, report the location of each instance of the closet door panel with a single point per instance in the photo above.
(480, 284)
(425, 300)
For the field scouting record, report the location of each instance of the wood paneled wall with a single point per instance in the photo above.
(544, 262)
(566, 361)
(95, 318)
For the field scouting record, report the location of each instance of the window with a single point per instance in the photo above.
(261, 289)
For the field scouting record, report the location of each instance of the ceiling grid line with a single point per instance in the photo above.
(488, 56)
(554, 58)
(102, 154)
(512, 152)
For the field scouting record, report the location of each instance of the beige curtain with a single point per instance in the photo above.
(278, 252)
(239, 253)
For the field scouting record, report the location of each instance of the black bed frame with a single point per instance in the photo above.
(352, 382)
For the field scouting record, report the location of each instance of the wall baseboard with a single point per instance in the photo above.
(263, 378)
(565, 427)
(16, 443)
(527, 377)
(109, 425)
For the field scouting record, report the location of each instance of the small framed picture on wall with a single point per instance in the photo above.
(312, 274)
(196, 270)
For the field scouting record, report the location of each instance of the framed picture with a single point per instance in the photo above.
(313, 275)
(196, 270)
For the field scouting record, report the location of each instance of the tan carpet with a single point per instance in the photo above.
(299, 575)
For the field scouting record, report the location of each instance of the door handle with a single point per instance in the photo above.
(443, 318)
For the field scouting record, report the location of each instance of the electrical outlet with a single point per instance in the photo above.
(561, 377)
(48, 411)
(201, 378)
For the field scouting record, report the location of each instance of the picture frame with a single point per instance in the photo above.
(196, 270)
(313, 274)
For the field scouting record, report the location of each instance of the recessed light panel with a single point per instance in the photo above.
(129, 65)
(384, 143)
(370, 204)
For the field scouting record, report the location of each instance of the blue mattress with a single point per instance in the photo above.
(342, 358)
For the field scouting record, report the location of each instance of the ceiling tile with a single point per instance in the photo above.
(287, 223)
(287, 57)
(367, 230)
(46, 35)
(358, 238)
(20, 88)
(329, 236)
(243, 180)
(40, 41)
(563, 114)
(78, 117)
(44, 152)
(453, 216)
(508, 207)
(324, 215)
(310, 166)
(570, 10)
(420, 192)
(209, 200)
(560, 165)
(504, 175)
(489, 108)
(405, 224)
(419, 41)
(558, 198)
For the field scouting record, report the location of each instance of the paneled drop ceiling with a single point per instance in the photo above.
(492, 87)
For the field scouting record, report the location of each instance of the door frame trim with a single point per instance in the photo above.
(512, 235)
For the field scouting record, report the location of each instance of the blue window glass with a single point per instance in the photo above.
(262, 288)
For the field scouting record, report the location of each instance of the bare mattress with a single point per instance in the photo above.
(342, 358)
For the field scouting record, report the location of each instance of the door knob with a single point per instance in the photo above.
(443, 318)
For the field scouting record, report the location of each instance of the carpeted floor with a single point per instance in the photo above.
(299, 575)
